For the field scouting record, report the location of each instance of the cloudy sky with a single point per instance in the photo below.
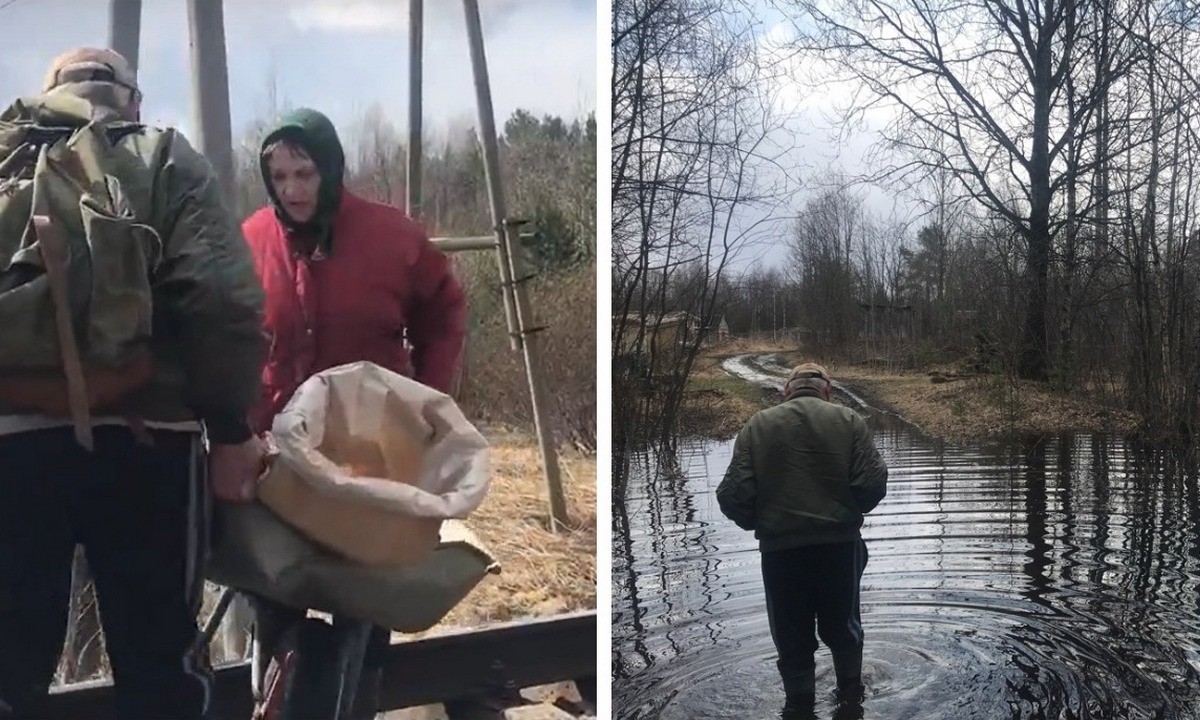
(340, 56)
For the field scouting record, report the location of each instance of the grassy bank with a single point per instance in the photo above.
(943, 400)
(960, 406)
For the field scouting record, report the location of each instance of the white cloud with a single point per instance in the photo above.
(329, 54)
(351, 15)
(392, 15)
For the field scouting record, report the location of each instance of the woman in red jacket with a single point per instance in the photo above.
(346, 280)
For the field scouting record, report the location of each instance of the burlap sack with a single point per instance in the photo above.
(370, 463)
(255, 551)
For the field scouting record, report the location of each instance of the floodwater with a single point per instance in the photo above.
(1055, 577)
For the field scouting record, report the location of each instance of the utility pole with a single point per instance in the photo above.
(125, 28)
(214, 138)
(416, 21)
(210, 89)
(513, 272)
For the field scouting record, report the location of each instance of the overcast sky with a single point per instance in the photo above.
(812, 146)
(339, 56)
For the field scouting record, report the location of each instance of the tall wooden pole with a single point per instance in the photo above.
(125, 28)
(416, 22)
(512, 265)
(214, 138)
(210, 89)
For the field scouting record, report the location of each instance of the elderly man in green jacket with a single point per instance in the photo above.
(167, 312)
(803, 474)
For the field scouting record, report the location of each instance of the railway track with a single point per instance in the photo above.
(476, 674)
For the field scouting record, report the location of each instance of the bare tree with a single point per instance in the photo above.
(692, 184)
(980, 88)
(826, 240)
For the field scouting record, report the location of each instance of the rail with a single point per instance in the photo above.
(476, 242)
(476, 674)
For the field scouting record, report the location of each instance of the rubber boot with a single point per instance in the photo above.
(847, 666)
(801, 693)
(809, 713)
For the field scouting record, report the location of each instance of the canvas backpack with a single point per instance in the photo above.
(76, 264)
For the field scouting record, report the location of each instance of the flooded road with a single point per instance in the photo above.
(1054, 578)
(765, 369)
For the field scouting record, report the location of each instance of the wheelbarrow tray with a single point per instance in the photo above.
(255, 551)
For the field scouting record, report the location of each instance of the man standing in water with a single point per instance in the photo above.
(803, 474)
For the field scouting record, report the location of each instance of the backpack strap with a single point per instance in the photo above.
(53, 249)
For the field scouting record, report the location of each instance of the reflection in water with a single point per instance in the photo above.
(1052, 578)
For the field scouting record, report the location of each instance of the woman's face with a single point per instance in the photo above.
(295, 181)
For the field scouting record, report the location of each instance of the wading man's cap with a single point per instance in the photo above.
(90, 65)
(800, 373)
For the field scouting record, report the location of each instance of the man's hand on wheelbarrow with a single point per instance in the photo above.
(234, 470)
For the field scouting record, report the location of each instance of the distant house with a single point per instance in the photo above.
(666, 333)
(716, 331)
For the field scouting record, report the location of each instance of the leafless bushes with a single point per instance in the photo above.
(494, 387)
(693, 178)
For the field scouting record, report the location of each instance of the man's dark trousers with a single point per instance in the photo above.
(815, 583)
(141, 513)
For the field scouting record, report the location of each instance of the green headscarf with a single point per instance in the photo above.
(315, 133)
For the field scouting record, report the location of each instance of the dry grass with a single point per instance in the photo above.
(741, 346)
(719, 406)
(543, 573)
(982, 406)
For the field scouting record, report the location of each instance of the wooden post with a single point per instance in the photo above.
(487, 138)
(210, 89)
(416, 23)
(513, 272)
(125, 28)
(214, 138)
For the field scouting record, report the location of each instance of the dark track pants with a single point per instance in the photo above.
(141, 514)
(821, 583)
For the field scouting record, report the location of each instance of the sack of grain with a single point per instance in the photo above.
(370, 463)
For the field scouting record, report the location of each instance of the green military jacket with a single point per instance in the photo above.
(803, 473)
(206, 338)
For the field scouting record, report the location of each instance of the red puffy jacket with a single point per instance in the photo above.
(382, 283)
